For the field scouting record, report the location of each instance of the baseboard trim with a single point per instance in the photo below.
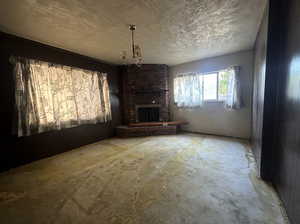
(216, 135)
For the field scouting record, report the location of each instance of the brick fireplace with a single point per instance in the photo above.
(145, 93)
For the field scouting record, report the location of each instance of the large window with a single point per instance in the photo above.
(52, 97)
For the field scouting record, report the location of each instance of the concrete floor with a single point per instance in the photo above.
(180, 179)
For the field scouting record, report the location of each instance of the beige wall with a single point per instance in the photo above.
(212, 118)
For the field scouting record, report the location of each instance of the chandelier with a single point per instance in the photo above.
(136, 51)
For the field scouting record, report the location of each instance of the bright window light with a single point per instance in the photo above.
(223, 84)
(209, 87)
(210, 90)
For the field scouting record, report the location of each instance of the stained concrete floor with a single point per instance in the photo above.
(180, 179)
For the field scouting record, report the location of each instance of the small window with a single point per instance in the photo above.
(191, 90)
(215, 86)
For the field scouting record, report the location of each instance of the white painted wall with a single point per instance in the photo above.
(213, 118)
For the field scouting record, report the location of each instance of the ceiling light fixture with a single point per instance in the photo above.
(136, 50)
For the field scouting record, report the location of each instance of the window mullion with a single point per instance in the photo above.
(202, 78)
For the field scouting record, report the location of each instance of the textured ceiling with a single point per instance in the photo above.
(169, 31)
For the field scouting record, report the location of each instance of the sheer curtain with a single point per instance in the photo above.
(234, 92)
(188, 90)
(52, 97)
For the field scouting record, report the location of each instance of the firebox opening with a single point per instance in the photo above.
(148, 114)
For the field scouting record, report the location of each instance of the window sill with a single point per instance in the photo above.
(213, 101)
(207, 102)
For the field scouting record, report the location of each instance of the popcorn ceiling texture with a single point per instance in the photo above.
(169, 31)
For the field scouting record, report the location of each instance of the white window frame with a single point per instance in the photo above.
(218, 98)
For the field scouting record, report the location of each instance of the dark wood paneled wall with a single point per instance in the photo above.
(279, 149)
(259, 76)
(272, 87)
(267, 70)
(287, 139)
(16, 151)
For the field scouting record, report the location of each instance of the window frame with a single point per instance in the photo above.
(217, 100)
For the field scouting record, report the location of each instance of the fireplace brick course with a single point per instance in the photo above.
(145, 86)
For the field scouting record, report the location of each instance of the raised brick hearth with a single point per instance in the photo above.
(126, 131)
